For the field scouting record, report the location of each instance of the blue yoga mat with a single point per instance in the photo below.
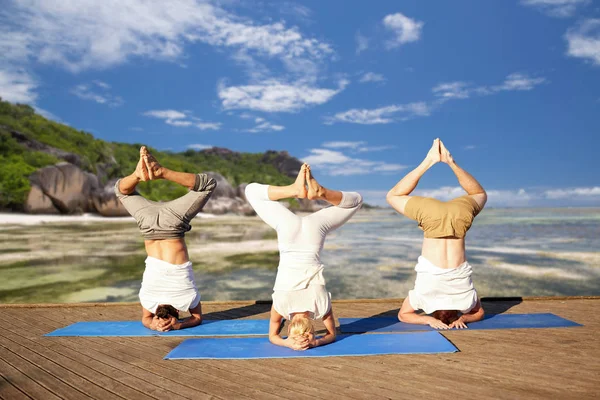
(239, 327)
(345, 345)
(498, 321)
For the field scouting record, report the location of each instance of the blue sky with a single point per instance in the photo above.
(357, 89)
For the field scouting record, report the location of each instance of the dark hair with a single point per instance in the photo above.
(446, 316)
(165, 311)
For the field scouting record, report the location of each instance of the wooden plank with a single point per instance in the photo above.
(83, 366)
(8, 391)
(213, 380)
(39, 375)
(151, 383)
(549, 363)
(25, 384)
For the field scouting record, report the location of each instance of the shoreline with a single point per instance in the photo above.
(36, 219)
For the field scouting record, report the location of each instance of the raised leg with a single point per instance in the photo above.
(190, 204)
(272, 212)
(345, 205)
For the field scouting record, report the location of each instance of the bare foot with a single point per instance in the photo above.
(446, 157)
(300, 183)
(315, 191)
(155, 170)
(141, 172)
(434, 153)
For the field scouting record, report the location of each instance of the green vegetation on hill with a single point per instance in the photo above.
(107, 159)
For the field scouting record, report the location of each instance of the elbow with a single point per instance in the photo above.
(401, 317)
(389, 196)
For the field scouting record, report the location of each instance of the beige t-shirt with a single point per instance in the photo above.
(442, 218)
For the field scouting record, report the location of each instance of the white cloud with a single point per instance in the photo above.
(464, 90)
(556, 8)
(382, 115)
(406, 29)
(335, 163)
(365, 149)
(200, 146)
(342, 145)
(102, 34)
(263, 125)
(358, 146)
(48, 115)
(86, 92)
(103, 85)
(17, 86)
(362, 43)
(182, 119)
(584, 41)
(203, 126)
(165, 114)
(372, 77)
(86, 35)
(581, 193)
(452, 90)
(518, 81)
(469, 147)
(275, 96)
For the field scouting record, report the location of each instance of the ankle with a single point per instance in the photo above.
(321, 193)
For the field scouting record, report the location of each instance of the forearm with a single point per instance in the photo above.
(183, 178)
(414, 318)
(127, 184)
(477, 316)
(147, 322)
(328, 338)
(190, 322)
(466, 180)
(410, 181)
(278, 340)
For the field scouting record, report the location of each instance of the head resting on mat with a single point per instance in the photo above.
(446, 316)
(165, 311)
(301, 326)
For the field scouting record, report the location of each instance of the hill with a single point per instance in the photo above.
(30, 142)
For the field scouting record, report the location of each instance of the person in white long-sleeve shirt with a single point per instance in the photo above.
(299, 294)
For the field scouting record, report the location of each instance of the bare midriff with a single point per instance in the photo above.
(173, 251)
(444, 252)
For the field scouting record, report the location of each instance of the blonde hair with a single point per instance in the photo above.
(300, 326)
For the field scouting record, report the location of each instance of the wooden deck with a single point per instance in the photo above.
(501, 364)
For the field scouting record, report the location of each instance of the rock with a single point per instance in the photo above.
(224, 205)
(224, 188)
(283, 162)
(38, 203)
(106, 202)
(33, 144)
(241, 191)
(68, 187)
